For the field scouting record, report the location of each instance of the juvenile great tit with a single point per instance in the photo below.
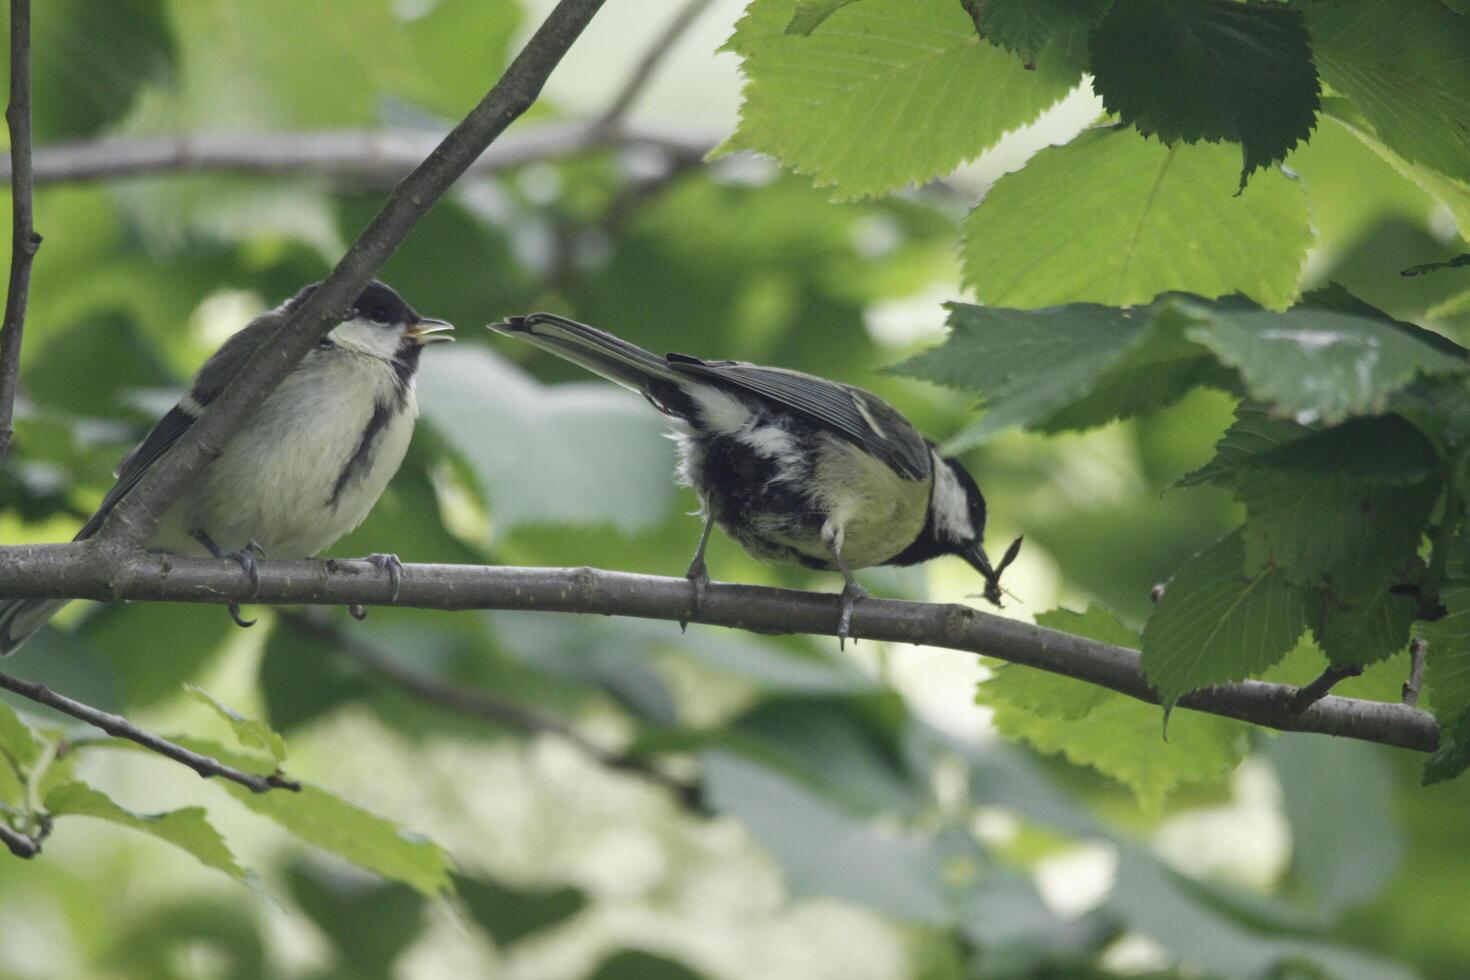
(309, 463)
(793, 467)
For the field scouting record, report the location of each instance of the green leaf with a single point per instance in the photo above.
(1254, 433)
(1117, 735)
(1366, 632)
(299, 681)
(1141, 219)
(339, 904)
(638, 964)
(367, 840)
(823, 848)
(127, 636)
(1342, 510)
(1191, 70)
(252, 733)
(1026, 27)
(19, 743)
(1338, 863)
(1447, 661)
(1452, 193)
(1317, 365)
(510, 914)
(1216, 624)
(1453, 755)
(839, 104)
(333, 824)
(1068, 367)
(810, 14)
(1403, 65)
(188, 829)
(600, 453)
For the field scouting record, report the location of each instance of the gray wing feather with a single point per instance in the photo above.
(856, 415)
(208, 383)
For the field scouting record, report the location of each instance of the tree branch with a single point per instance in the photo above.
(119, 727)
(487, 706)
(85, 571)
(24, 240)
(648, 65)
(137, 514)
(1310, 694)
(364, 157)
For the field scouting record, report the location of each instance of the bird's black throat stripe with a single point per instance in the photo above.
(361, 458)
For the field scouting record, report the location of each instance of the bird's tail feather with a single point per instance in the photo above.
(19, 618)
(596, 350)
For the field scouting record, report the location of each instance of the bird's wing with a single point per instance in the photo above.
(217, 372)
(851, 413)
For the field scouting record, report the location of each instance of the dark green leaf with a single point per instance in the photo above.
(188, 829)
(1338, 863)
(127, 636)
(838, 104)
(637, 964)
(824, 849)
(1254, 433)
(19, 743)
(1403, 65)
(301, 679)
(510, 914)
(1216, 624)
(1453, 755)
(1447, 662)
(1026, 27)
(1365, 632)
(1140, 219)
(1316, 365)
(1191, 70)
(342, 904)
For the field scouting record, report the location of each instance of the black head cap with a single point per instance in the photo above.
(378, 303)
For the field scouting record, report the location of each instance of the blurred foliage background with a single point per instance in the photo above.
(861, 816)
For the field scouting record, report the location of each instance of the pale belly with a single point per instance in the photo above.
(277, 482)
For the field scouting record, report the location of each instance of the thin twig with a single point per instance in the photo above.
(24, 240)
(1309, 694)
(487, 706)
(1417, 647)
(137, 514)
(119, 727)
(21, 845)
(653, 57)
(359, 157)
(83, 571)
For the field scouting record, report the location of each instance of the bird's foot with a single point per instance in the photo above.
(851, 593)
(391, 565)
(246, 556)
(240, 621)
(698, 576)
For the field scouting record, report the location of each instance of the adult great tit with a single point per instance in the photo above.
(793, 467)
(309, 463)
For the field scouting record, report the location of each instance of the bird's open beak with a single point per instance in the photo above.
(428, 330)
(976, 556)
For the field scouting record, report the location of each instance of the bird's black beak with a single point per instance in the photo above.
(974, 553)
(428, 330)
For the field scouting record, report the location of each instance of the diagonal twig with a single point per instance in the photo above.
(1417, 647)
(1309, 694)
(137, 514)
(119, 727)
(24, 240)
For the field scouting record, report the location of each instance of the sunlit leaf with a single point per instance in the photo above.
(1140, 219)
(252, 733)
(188, 829)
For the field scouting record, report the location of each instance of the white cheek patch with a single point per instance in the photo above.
(364, 337)
(721, 412)
(951, 504)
